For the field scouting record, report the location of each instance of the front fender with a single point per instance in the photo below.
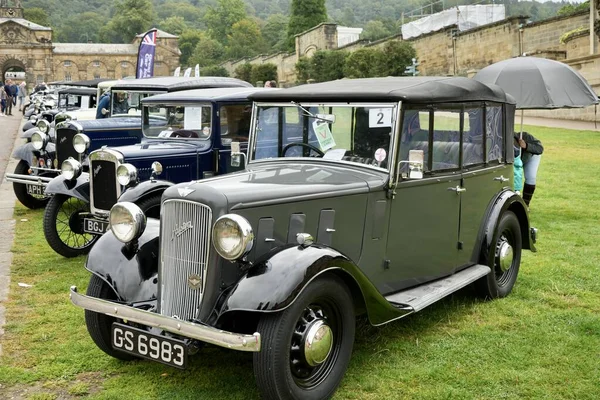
(79, 188)
(27, 134)
(131, 272)
(27, 152)
(143, 189)
(275, 282)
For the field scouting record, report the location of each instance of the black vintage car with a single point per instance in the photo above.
(187, 135)
(376, 196)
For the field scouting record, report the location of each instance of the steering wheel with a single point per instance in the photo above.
(310, 146)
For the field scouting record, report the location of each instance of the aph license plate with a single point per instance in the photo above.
(148, 345)
(35, 189)
(95, 226)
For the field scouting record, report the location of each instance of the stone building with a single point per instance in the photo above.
(28, 47)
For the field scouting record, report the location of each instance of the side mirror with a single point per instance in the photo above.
(415, 164)
(237, 155)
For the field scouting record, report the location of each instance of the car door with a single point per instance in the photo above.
(234, 126)
(425, 214)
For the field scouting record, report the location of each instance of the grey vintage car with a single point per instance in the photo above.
(376, 196)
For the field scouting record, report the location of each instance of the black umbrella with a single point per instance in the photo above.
(539, 83)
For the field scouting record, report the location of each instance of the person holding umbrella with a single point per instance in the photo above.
(531, 155)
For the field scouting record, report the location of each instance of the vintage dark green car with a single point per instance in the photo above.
(376, 196)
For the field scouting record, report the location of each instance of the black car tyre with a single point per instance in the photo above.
(20, 189)
(285, 368)
(504, 258)
(63, 226)
(151, 205)
(99, 325)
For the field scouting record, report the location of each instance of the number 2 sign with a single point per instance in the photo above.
(380, 117)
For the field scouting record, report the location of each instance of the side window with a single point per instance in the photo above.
(235, 123)
(446, 139)
(494, 143)
(473, 137)
(415, 135)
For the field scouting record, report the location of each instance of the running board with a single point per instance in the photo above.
(421, 296)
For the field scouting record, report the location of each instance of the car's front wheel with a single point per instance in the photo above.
(306, 348)
(32, 201)
(504, 258)
(63, 226)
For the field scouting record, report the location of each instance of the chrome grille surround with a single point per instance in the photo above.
(106, 155)
(185, 246)
(65, 131)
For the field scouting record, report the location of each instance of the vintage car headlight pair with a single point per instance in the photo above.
(39, 140)
(81, 142)
(232, 234)
(70, 169)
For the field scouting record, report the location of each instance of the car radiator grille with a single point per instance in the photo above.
(64, 145)
(103, 177)
(185, 247)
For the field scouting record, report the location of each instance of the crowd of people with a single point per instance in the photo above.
(10, 95)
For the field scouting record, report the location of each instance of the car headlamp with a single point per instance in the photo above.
(127, 221)
(61, 117)
(81, 142)
(70, 169)
(126, 173)
(39, 140)
(232, 236)
(157, 168)
(42, 125)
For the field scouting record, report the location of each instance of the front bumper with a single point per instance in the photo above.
(29, 179)
(230, 340)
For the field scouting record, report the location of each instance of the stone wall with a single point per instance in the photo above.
(546, 34)
(321, 37)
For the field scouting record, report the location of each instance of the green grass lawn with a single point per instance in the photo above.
(542, 342)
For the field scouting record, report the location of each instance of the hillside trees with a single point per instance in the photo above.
(304, 15)
(37, 15)
(130, 18)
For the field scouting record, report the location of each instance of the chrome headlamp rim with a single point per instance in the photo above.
(157, 168)
(81, 142)
(127, 221)
(70, 169)
(126, 173)
(246, 239)
(42, 125)
(39, 140)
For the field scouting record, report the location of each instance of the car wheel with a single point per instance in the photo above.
(63, 226)
(504, 258)
(151, 205)
(20, 189)
(306, 348)
(99, 325)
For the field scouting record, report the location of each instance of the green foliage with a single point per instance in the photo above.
(220, 19)
(243, 72)
(375, 30)
(207, 52)
(214, 70)
(188, 41)
(305, 14)
(81, 28)
(131, 17)
(364, 63)
(397, 55)
(37, 15)
(245, 39)
(274, 32)
(263, 72)
(573, 8)
(327, 65)
(175, 25)
(303, 70)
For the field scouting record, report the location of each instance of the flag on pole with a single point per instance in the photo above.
(188, 72)
(197, 71)
(177, 71)
(145, 62)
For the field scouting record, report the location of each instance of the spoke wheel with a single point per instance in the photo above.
(63, 226)
(504, 259)
(32, 201)
(306, 348)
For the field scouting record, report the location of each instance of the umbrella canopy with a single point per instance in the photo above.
(539, 83)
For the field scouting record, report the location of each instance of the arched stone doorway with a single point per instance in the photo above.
(10, 64)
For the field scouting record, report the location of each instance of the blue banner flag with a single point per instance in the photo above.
(145, 62)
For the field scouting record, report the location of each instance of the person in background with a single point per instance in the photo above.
(531, 155)
(22, 94)
(2, 100)
(11, 92)
(103, 104)
(270, 84)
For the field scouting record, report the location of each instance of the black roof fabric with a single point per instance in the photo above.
(419, 90)
(174, 83)
(86, 83)
(196, 95)
(79, 90)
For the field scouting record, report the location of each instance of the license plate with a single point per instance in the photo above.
(35, 189)
(95, 226)
(147, 345)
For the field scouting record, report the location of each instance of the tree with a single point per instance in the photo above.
(274, 31)
(220, 19)
(245, 39)
(375, 30)
(188, 41)
(327, 65)
(131, 18)
(214, 70)
(243, 72)
(174, 25)
(263, 73)
(80, 28)
(207, 52)
(364, 63)
(303, 70)
(37, 15)
(398, 56)
(305, 15)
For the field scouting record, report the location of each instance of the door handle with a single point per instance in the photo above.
(501, 179)
(458, 189)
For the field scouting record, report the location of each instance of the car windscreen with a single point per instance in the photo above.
(356, 133)
(177, 121)
(125, 102)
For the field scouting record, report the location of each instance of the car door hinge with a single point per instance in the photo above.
(459, 245)
(386, 264)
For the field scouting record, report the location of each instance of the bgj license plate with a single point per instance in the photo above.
(95, 226)
(147, 345)
(35, 189)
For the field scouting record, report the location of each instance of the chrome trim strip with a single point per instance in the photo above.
(28, 179)
(116, 158)
(208, 334)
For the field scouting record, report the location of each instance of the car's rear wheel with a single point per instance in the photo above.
(20, 189)
(306, 348)
(504, 258)
(99, 325)
(151, 205)
(63, 226)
